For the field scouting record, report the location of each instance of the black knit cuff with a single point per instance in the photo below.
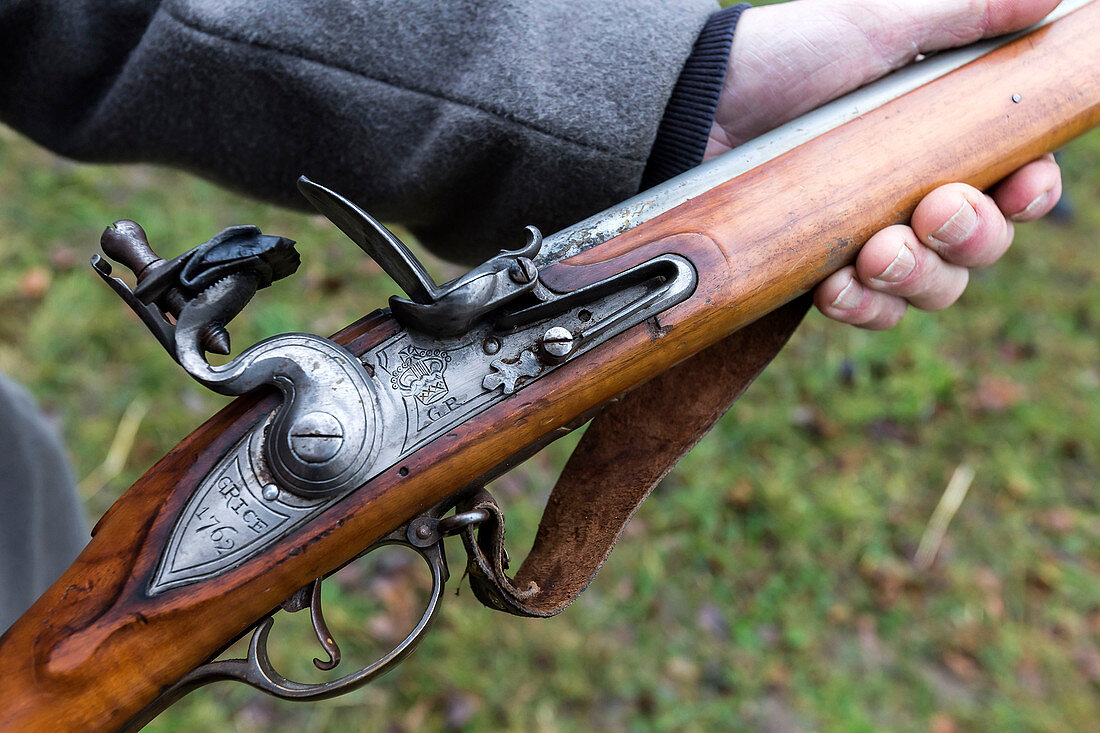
(685, 128)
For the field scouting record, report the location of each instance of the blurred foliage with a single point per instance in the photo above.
(767, 584)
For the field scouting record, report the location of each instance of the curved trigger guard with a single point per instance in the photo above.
(256, 669)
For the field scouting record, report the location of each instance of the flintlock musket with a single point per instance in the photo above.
(376, 434)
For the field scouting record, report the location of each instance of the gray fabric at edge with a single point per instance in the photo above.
(43, 525)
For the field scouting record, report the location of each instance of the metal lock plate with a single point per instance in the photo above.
(420, 387)
(466, 345)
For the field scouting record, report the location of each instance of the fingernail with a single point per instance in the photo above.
(959, 228)
(1028, 212)
(900, 268)
(849, 297)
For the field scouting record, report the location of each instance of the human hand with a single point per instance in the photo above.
(788, 59)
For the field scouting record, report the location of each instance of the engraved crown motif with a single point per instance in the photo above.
(420, 374)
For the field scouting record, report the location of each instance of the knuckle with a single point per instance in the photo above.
(889, 315)
(945, 291)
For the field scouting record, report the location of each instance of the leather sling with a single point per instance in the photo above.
(628, 448)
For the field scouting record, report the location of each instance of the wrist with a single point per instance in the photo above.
(686, 128)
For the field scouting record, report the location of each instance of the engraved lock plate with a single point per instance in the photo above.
(422, 387)
(465, 345)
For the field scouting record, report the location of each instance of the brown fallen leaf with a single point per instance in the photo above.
(942, 723)
(961, 665)
(34, 283)
(996, 394)
(1060, 520)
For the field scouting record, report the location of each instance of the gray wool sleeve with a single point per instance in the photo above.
(464, 120)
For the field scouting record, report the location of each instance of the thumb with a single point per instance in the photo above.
(790, 58)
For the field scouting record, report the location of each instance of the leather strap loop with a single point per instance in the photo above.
(627, 450)
(487, 561)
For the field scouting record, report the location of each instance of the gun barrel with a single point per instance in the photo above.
(651, 203)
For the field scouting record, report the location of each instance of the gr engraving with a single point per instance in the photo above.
(446, 407)
(428, 387)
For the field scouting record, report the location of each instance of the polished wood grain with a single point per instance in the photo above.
(94, 649)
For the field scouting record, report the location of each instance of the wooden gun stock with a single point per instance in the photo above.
(96, 649)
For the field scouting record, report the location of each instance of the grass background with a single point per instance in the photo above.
(769, 582)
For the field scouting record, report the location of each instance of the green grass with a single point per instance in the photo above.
(768, 582)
